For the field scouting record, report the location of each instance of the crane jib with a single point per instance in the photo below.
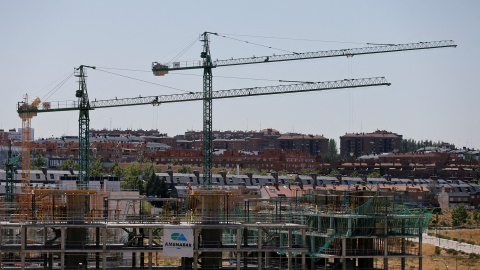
(163, 69)
(195, 96)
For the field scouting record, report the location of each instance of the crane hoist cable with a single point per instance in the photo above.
(182, 52)
(56, 81)
(140, 80)
(299, 39)
(256, 44)
(191, 74)
(55, 89)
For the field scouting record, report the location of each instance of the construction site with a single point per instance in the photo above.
(317, 229)
(82, 227)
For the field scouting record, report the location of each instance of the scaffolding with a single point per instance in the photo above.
(316, 229)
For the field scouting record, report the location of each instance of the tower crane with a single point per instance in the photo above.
(84, 106)
(207, 65)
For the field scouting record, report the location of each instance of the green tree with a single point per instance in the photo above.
(184, 169)
(132, 178)
(148, 171)
(96, 167)
(38, 163)
(459, 215)
(374, 174)
(308, 171)
(476, 215)
(354, 174)
(332, 152)
(115, 169)
(249, 170)
(157, 187)
(175, 162)
(333, 173)
(67, 164)
(282, 173)
(263, 172)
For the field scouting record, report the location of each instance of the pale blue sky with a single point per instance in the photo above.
(434, 93)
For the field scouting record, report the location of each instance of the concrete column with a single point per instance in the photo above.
(304, 245)
(62, 247)
(290, 244)
(97, 245)
(1, 244)
(385, 248)
(23, 241)
(403, 245)
(420, 226)
(195, 248)
(344, 253)
(239, 245)
(259, 241)
(150, 244)
(104, 244)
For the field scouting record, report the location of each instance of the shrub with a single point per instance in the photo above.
(437, 250)
(471, 242)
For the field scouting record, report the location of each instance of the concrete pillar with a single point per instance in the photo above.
(104, 244)
(23, 241)
(385, 245)
(97, 245)
(304, 245)
(150, 245)
(344, 253)
(1, 244)
(290, 244)
(239, 242)
(195, 248)
(403, 245)
(420, 226)
(62, 247)
(259, 241)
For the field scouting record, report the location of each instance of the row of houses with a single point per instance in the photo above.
(430, 192)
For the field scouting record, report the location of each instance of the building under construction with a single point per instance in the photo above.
(316, 229)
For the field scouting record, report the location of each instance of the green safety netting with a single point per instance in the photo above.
(336, 218)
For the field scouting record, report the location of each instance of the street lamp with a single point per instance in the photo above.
(442, 262)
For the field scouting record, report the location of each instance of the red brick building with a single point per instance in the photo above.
(313, 144)
(358, 144)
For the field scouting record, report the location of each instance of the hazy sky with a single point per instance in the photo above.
(434, 93)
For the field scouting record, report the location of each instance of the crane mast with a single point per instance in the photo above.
(207, 110)
(83, 128)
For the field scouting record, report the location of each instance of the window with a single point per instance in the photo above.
(52, 176)
(38, 176)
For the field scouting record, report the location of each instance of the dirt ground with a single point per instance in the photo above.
(459, 261)
(465, 234)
